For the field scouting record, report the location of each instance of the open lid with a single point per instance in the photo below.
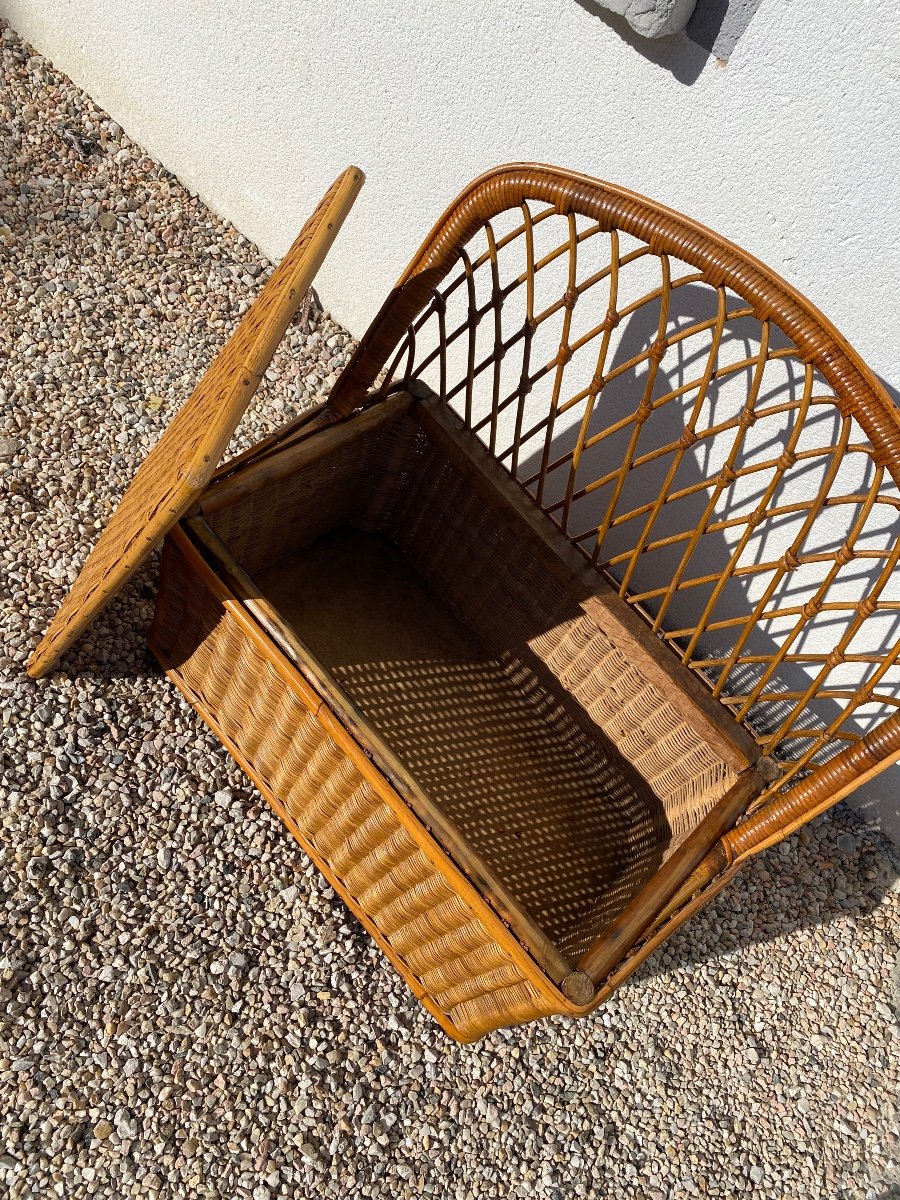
(177, 470)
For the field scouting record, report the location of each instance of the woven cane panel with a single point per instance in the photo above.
(389, 880)
(178, 468)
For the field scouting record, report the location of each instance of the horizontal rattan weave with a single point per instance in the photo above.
(454, 953)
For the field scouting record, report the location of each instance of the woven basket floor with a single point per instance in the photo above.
(560, 816)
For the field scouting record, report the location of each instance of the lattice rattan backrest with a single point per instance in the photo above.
(697, 430)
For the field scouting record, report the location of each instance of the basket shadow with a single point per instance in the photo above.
(114, 647)
(781, 891)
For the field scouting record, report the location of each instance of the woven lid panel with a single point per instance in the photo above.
(179, 467)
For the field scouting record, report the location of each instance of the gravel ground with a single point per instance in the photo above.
(187, 1009)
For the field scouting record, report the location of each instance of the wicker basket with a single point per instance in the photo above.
(468, 713)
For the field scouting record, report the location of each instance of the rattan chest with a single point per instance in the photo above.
(515, 750)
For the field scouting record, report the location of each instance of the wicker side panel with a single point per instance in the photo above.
(684, 771)
(390, 873)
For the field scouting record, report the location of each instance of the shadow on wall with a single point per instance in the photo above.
(713, 30)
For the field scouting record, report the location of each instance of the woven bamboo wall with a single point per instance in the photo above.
(454, 953)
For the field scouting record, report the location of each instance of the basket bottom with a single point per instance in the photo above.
(567, 824)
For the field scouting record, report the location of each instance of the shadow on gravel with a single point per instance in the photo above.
(843, 871)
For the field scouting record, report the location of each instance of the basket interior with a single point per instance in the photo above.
(565, 772)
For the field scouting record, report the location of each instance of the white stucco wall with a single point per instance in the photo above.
(792, 149)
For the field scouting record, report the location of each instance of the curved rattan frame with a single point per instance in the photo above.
(857, 393)
(856, 388)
